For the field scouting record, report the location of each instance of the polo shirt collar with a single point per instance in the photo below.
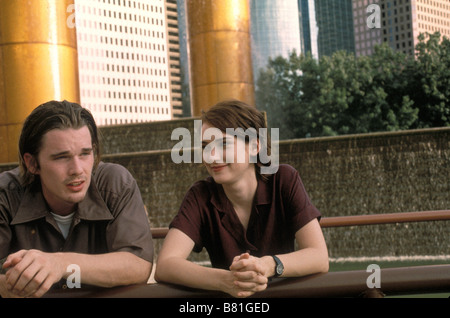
(230, 220)
(93, 207)
(222, 203)
(33, 206)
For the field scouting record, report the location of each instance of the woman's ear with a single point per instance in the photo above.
(31, 163)
(254, 147)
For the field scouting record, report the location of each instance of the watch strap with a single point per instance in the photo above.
(278, 264)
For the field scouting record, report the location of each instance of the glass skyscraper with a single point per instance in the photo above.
(335, 22)
(309, 28)
(275, 30)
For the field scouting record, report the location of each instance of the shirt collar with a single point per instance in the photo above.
(33, 207)
(222, 203)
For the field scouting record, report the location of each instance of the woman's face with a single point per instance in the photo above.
(225, 156)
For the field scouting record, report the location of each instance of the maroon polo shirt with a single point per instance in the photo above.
(281, 207)
(111, 217)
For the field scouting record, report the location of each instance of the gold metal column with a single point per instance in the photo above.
(220, 53)
(38, 62)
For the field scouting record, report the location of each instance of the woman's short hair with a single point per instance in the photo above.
(234, 114)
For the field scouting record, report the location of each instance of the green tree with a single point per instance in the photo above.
(430, 83)
(342, 94)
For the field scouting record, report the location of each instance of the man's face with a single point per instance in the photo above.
(66, 160)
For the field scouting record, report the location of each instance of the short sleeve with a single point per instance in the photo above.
(300, 209)
(130, 229)
(188, 219)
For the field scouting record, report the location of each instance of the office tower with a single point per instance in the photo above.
(401, 22)
(335, 23)
(123, 60)
(275, 30)
(404, 20)
(174, 58)
(309, 28)
(184, 58)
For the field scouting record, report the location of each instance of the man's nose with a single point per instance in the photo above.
(76, 167)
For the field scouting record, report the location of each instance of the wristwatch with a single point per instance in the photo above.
(279, 267)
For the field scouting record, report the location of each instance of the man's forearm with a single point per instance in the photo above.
(108, 270)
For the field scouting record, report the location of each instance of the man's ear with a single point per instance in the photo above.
(31, 163)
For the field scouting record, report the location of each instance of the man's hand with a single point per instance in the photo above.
(250, 274)
(31, 273)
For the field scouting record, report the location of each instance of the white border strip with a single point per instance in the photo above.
(391, 258)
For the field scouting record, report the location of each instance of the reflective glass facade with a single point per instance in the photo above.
(309, 27)
(275, 30)
(335, 22)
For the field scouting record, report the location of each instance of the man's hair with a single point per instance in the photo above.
(49, 116)
(234, 114)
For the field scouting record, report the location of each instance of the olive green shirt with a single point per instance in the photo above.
(110, 218)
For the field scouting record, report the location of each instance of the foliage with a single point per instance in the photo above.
(342, 94)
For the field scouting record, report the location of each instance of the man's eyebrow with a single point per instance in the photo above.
(62, 153)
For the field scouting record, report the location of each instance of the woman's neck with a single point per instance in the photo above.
(241, 195)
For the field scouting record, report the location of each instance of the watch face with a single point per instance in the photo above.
(279, 269)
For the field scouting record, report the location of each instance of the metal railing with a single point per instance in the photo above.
(367, 219)
(394, 281)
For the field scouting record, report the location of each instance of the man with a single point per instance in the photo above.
(64, 207)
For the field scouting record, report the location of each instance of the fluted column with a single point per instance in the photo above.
(220, 53)
(38, 62)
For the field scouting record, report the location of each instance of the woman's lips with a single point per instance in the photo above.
(218, 168)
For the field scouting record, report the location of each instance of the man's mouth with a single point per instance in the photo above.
(76, 185)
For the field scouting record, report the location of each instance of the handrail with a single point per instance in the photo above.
(393, 281)
(367, 219)
(370, 219)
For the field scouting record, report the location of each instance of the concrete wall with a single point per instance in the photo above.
(348, 175)
(142, 136)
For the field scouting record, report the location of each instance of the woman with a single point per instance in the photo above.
(248, 222)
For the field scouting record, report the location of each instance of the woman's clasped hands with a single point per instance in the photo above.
(249, 274)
